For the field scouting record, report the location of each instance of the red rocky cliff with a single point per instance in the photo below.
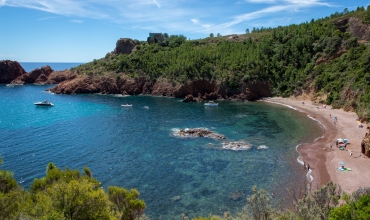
(201, 89)
(10, 70)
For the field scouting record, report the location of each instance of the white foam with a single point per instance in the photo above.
(261, 147)
(299, 159)
(236, 146)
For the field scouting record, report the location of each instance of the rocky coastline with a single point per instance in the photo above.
(69, 82)
(11, 72)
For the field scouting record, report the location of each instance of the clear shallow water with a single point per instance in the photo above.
(134, 147)
(29, 66)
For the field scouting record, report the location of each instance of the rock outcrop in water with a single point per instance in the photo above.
(13, 73)
(199, 132)
(10, 70)
(236, 146)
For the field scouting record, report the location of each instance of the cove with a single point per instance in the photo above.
(137, 146)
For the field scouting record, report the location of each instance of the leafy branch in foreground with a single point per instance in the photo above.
(66, 194)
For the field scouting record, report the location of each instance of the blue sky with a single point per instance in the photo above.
(83, 30)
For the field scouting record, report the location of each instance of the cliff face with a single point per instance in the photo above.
(202, 89)
(354, 26)
(10, 70)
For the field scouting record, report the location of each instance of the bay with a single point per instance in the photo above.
(136, 147)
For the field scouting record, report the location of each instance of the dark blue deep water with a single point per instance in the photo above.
(29, 66)
(134, 147)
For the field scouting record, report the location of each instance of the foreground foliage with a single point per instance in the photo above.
(326, 203)
(67, 194)
(318, 56)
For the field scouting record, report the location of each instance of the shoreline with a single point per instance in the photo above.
(324, 162)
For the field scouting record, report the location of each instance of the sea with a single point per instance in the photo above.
(138, 147)
(56, 66)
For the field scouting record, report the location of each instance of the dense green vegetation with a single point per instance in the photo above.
(318, 56)
(67, 194)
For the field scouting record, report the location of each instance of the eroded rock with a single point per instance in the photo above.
(199, 132)
(10, 70)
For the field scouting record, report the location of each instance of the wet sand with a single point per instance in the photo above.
(323, 161)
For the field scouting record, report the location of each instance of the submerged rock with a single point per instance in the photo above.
(261, 147)
(236, 146)
(176, 198)
(236, 196)
(199, 132)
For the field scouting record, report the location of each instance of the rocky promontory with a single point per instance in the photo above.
(11, 72)
(199, 132)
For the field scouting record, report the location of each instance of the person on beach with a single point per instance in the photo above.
(308, 167)
(350, 153)
(330, 115)
(335, 118)
(304, 165)
(331, 146)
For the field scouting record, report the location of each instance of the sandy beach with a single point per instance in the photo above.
(325, 161)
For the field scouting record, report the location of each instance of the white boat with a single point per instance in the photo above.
(126, 105)
(210, 103)
(44, 103)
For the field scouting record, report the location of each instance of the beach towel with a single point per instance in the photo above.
(345, 169)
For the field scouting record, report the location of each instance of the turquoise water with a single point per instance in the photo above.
(29, 66)
(135, 147)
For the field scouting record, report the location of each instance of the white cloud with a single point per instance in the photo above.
(47, 18)
(173, 15)
(156, 3)
(77, 21)
(308, 3)
(261, 1)
(195, 21)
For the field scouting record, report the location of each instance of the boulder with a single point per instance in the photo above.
(189, 98)
(10, 70)
(199, 132)
(124, 46)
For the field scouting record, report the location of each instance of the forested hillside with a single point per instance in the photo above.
(327, 59)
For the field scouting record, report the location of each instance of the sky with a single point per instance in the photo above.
(83, 30)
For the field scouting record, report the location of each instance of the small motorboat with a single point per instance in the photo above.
(210, 103)
(126, 105)
(44, 103)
